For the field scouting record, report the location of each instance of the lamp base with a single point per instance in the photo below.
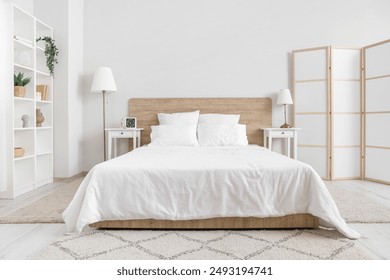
(285, 125)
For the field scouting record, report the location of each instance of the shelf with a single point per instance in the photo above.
(23, 158)
(44, 102)
(23, 128)
(16, 65)
(44, 154)
(40, 49)
(44, 127)
(23, 99)
(21, 43)
(43, 73)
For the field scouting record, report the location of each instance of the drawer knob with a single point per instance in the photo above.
(121, 133)
(283, 132)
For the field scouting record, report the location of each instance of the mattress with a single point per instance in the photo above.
(185, 183)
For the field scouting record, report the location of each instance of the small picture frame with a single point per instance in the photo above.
(130, 122)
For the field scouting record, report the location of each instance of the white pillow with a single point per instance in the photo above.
(173, 135)
(186, 118)
(219, 119)
(222, 135)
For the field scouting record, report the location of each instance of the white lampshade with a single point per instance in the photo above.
(284, 97)
(103, 80)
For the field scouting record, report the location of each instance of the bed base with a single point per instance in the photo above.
(285, 222)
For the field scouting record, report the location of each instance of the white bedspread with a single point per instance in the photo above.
(182, 183)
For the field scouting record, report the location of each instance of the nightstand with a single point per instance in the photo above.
(285, 133)
(130, 133)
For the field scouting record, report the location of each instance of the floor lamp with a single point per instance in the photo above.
(103, 81)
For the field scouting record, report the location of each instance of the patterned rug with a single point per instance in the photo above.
(197, 245)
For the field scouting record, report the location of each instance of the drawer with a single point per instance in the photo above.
(279, 133)
(122, 134)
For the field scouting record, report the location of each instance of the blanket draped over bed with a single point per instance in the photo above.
(184, 183)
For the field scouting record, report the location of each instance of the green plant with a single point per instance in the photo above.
(51, 53)
(20, 80)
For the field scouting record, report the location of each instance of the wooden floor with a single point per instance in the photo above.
(20, 241)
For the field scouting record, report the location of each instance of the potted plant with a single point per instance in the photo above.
(51, 53)
(20, 83)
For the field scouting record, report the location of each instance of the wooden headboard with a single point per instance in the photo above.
(256, 113)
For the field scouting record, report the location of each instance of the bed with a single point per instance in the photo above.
(170, 187)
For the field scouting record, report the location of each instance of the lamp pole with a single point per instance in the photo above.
(104, 124)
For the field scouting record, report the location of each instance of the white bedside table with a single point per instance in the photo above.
(286, 134)
(114, 133)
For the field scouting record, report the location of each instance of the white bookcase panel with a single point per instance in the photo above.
(21, 108)
(46, 110)
(44, 141)
(19, 52)
(26, 140)
(24, 176)
(44, 168)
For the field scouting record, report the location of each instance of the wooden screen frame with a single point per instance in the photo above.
(256, 113)
(328, 113)
(333, 113)
(364, 112)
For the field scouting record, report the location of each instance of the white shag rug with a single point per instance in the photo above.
(200, 245)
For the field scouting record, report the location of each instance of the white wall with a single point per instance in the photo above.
(27, 5)
(203, 48)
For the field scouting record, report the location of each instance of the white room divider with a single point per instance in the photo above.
(327, 106)
(342, 104)
(346, 113)
(312, 107)
(377, 112)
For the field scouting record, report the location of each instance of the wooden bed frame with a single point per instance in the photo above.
(256, 113)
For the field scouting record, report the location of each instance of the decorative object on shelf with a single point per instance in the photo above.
(40, 118)
(25, 119)
(18, 152)
(103, 81)
(284, 98)
(43, 89)
(51, 53)
(20, 83)
(130, 122)
(38, 95)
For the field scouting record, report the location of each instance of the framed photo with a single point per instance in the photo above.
(130, 122)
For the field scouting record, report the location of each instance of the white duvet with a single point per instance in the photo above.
(182, 183)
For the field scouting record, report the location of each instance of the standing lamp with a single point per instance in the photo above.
(103, 81)
(284, 98)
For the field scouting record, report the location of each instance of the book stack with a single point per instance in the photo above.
(44, 92)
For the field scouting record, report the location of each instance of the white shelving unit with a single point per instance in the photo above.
(21, 53)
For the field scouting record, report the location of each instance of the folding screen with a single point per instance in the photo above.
(377, 112)
(346, 154)
(312, 107)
